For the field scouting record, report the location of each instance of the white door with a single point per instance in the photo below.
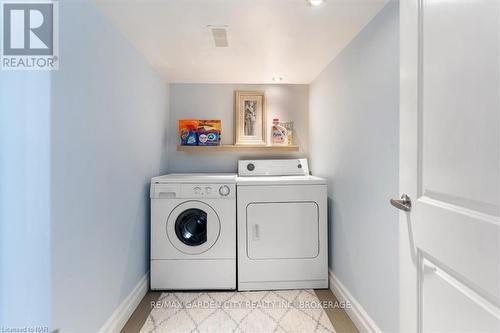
(282, 230)
(450, 92)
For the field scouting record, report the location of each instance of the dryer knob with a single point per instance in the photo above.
(224, 190)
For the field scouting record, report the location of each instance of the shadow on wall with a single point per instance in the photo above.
(354, 129)
(140, 226)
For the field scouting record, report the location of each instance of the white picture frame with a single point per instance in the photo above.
(250, 118)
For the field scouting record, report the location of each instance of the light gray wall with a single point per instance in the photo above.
(354, 126)
(24, 199)
(216, 101)
(109, 117)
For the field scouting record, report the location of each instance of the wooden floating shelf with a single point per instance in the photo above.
(238, 148)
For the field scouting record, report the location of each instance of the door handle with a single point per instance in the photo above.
(256, 232)
(404, 203)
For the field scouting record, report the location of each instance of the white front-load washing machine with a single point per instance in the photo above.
(193, 232)
(282, 226)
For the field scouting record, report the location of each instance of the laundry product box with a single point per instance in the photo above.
(209, 132)
(188, 132)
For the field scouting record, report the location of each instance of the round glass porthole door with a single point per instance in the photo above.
(193, 227)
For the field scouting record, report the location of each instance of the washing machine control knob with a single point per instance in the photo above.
(224, 190)
(197, 190)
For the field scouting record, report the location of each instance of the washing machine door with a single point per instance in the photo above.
(193, 227)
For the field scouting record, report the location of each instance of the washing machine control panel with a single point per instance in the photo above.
(221, 191)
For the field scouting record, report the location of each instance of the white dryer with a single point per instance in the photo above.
(193, 232)
(282, 226)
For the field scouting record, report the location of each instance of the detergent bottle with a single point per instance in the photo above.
(279, 134)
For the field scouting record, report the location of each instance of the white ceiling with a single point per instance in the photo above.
(266, 37)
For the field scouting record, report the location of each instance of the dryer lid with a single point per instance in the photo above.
(280, 180)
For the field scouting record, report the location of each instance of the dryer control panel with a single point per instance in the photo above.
(286, 167)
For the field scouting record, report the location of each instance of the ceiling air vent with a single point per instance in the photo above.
(219, 35)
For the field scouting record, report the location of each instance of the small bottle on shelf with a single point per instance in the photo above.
(289, 128)
(279, 134)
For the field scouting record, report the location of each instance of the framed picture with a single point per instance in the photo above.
(250, 118)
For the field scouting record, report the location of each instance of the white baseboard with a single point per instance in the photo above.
(121, 315)
(358, 315)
